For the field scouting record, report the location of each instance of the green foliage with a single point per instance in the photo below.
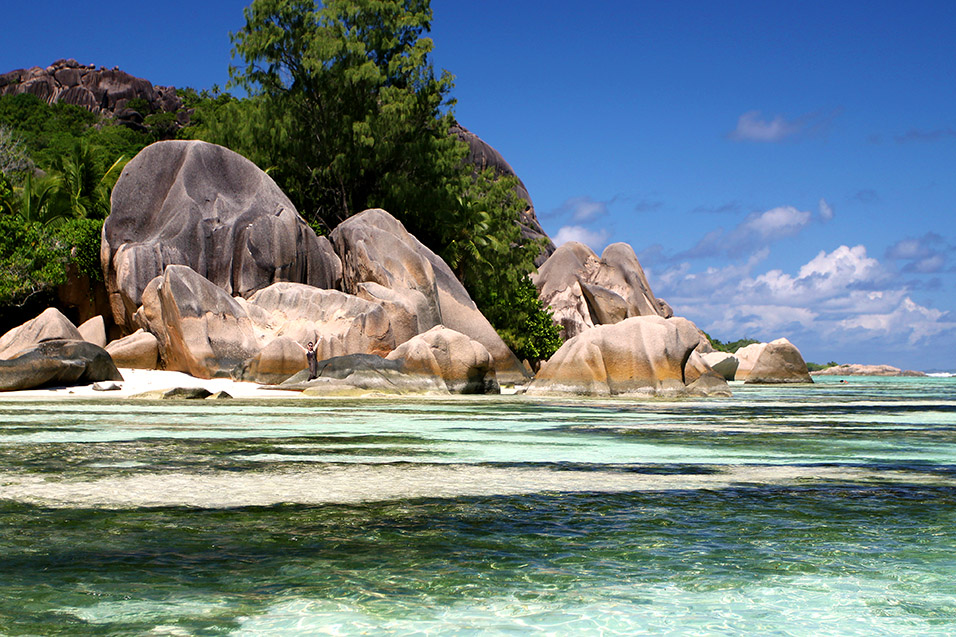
(31, 259)
(348, 109)
(50, 131)
(347, 113)
(815, 367)
(730, 346)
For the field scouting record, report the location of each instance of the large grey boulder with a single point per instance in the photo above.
(93, 330)
(336, 322)
(201, 205)
(57, 362)
(48, 325)
(462, 364)
(644, 355)
(362, 374)
(583, 290)
(775, 362)
(375, 248)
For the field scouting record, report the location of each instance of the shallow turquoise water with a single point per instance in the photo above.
(823, 510)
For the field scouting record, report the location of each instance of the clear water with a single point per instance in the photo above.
(823, 510)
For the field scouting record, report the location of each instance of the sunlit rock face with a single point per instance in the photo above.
(584, 290)
(645, 355)
(201, 205)
(778, 361)
(207, 333)
(462, 364)
(381, 260)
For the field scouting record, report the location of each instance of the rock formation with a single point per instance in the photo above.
(204, 332)
(483, 156)
(439, 361)
(201, 205)
(462, 364)
(139, 350)
(49, 325)
(57, 362)
(778, 361)
(723, 363)
(96, 89)
(583, 290)
(422, 290)
(644, 355)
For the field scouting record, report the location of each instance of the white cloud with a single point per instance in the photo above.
(595, 239)
(826, 210)
(756, 231)
(750, 127)
(926, 255)
(838, 301)
(583, 208)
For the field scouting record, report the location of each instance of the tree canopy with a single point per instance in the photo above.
(347, 113)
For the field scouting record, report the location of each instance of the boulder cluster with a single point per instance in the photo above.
(98, 89)
(211, 271)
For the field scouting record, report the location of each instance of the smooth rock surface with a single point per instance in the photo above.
(276, 362)
(361, 374)
(583, 290)
(201, 330)
(139, 350)
(775, 362)
(50, 324)
(57, 362)
(197, 204)
(724, 363)
(462, 364)
(376, 248)
(94, 331)
(645, 355)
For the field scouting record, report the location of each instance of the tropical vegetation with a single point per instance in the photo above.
(343, 109)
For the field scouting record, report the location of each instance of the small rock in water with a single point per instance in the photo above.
(187, 393)
(105, 387)
(219, 395)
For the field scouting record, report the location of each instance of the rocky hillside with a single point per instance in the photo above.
(99, 89)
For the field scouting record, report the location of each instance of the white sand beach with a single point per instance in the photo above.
(138, 381)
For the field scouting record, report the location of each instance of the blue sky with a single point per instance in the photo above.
(782, 169)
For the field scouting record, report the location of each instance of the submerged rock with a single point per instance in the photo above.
(865, 370)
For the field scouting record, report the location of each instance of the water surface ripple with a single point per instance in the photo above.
(824, 510)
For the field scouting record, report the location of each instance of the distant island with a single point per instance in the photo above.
(865, 370)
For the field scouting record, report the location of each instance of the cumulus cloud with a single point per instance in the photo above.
(757, 230)
(843, 300)
(753, 127)
(923, 255)
(595, 239)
